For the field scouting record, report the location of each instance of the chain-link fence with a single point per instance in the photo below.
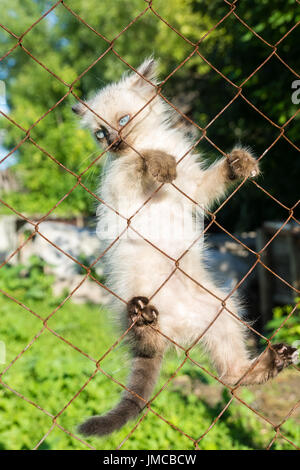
(212, 217)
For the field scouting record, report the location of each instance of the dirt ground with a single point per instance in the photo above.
(276, 398)
(273, 400)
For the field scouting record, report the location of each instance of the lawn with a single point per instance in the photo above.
(50, 373)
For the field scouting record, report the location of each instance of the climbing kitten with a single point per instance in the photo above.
(145, 148)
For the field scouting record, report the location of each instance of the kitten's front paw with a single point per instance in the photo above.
(242, 164)
(161, 166)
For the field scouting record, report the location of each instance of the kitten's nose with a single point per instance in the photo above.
(109, 139)
(117, 144)
(113, 137)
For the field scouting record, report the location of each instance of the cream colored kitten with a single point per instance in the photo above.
(145, 149)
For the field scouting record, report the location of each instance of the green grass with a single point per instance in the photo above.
(50, 373)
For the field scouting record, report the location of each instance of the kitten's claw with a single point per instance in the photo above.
(242, 164)
(140, 312)
(284, 355)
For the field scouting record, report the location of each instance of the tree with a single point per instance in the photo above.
(237, 54)
(66, 47)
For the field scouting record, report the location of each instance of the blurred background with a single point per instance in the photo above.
(40, 277)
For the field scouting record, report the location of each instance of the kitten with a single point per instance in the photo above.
(145, 148)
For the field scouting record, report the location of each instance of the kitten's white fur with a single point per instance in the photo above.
(152, 256)
(137, 268)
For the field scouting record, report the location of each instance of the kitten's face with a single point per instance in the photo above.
(117, 105)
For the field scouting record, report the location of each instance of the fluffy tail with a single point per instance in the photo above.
(143, 377)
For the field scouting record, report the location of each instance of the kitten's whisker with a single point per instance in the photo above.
(90, 156)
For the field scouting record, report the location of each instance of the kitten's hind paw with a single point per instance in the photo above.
(139, 310)
(284, 355)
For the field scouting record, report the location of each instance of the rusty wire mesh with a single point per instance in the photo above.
(278, 433)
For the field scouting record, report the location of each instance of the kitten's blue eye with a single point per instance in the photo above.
(100, 134)
(124, 120)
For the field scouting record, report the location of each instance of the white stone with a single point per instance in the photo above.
(76, 242)
(8, 236)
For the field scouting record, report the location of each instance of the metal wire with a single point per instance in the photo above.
(278, 433)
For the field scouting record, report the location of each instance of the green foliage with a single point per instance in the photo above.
(291, 330)
(67, 47)
(27, 281)
(86, 261)
(269, 89)
(50, 373)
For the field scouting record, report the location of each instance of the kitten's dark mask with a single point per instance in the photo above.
(110, 137)
(104, 135)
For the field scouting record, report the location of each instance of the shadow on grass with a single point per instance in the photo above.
(235, 424)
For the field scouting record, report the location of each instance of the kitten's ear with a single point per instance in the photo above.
(79, 108)
(149, 70)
